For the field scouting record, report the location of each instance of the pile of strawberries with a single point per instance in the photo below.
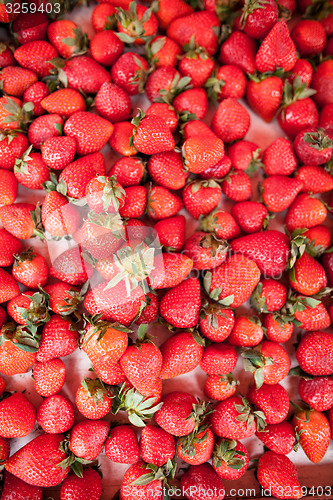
(123, 260)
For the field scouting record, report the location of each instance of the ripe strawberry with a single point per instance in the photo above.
(191, 102)
(64, 102)
(230, 459)
(30, 26)
(36, 463)
(77, 176)
(113, 103)
(277, 473)
(247, 332)
(197, 128)
(326, 119)
(11, 148)
(58, 339)
(168, 11)
(36, 56)
(66, 37)
(151, 135)
(314, 178)
(122, 446)
(49, 377)
(71, 268)
(11, 113)
(299, 112)
(279, 158)
(113, 375)
(59, 217)
(231, 121)
(199, 26)
(16, 80)
(35, 94)
(279, 438)
(85, 74)
(232, 282)
(181, 304)
(220, 387)
(103, 16)
(202, 152)
(87, 487)
(239, 50)
(222, 224)
(272, 400)
(216, 322)
(21, 220)
(177, 415)
(137, 24)
(156, 445)
(129, 171)
(202, 480)
(10, 246)
(166, 112)
(237, 186)
(92, 399)
(218, 359)
(304, 70)
(250, 216)
(130, 491)
(227, 82)
(270, 295)
(205, 251)
(29, 309)
(313, 147)
(181, 353)
(311, 314)
(30, 269)
(130, 72)
(171, 232)
(14, 360)
(162, 204)
(269, 362)
(314, 433)
(106, 47)
(235, 419)
(18, 416)
(170, 269)
(162, 51)
(201, 197)
(314, 353)
(307, 276)
(120, 139)
(268, 249)
(58, 152)
(258, 19)
(196, 64)
(8, 187)
(55, 414)
(14, 486)
(309, 37)
(317, 392)
(91, 132)
(279, 191)
(104, 194)
(167, 170)
(44, 127)
(305, 211)
(6, 56)
(244, 155)
(31, 171)
(87, 438)
(277, 49)
(264, 94)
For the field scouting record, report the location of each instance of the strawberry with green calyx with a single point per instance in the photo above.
(197, 447)
(64, 298)
(22, 220)
(142, 477)
(181, 353)
(230, 459)
(205, 250)
(30, 309)
(269, 295)
(305, 312)
(136, 25)
(30, 170)
(255, 362)
(258, 17)
(165, 83)
(151, 135)
(67, 38)
(264, 94)
(138, 407)
(195, 64)
(76, 464)
(105, 194)
(13, 115)
(248, 331)
(14, 360)
(216, 321)
(30, 268)
(21, 337)
(313, 146)
(278, 327)
(93, 399)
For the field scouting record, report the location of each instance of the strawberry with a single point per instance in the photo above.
(170, 269)
(196, 64)
(314, 433)
(239, 50)
(103, 16)
(309, 37)
(113, 103)
(231, 121)
(120, 139)
(156, 445)
(166, 112)
(205, 251)
(104, 194)
(279, 438)
(216, 322)
(162, 51)
(83, 72)
(258, 19)
(11, 148)
(244, 155)
(135, 201)
(130, 72)
(171, 232)
(11, 113)
(44, 127)
(66, 37)
(55, 414)
(131, 486)
(16, 80)
(129, 171)
(218, 359)
(199, 481)
(269, 362)
(92, 399)
(317, 392)
(232, 282)
(237, 186)
(167, 170)
(311, 314)
(58, 152)
(91, 132)
(259, 247)
(14, 486)
(64, 102)
(279, 158)
(247, 332)
(180, 305)
(191, 102)
(59, 217)
(77, 176)
(199, 26)
(235, 419)
(313, 147)
(272, 400)
(31, 171)
(6, 56)
(278, 474)
(122, 446)
(71, 268)
(279, 191)
(196, 128)
(314, 178)
(326, 118)
(10, 246)
(222, 224)
(87, 487)
(304, 70)
(18, 416)
(227, 82)
(30, 269)
(181, 353)
(230, 459)
(220, 387)
(49, 377)
(277, 49)
(30, 26)
(201, 197)
(177, 415)
(270, 295)
(264, 95)
(113, 375)
(29, 309)
(87, 438)
(35, 94)
(202, 152)
(151, 135)
(150, 312)
(58, 339)
(137, 24)
(168, 11)
(251, 216)
(162, 204)
(196, 448)
(21, 220)
(314, 353)
(36, 463)
(307, 276)
(305, 211)
(8, 187)
(13, 359)
(36, 56)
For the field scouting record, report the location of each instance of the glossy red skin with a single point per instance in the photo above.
(278, 437)
(314, 353)
(273, 400)
(309, 37)
(322, 82)
(318, 392)
(240, 50)
(298, 116)
(224, 420)
(202, 476)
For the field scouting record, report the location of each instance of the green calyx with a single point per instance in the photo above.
(249, 7)
(75, 463)
(96, 390)
(216, 292)
(113, 192)
(139, 409)
(255, 362)
(134, 26)
(22, 115)
(226, 452)
(164, 474)
(79, 41)
(178, 85)
(248, 415)
(20, 336)
(38, 311)
(318, 140)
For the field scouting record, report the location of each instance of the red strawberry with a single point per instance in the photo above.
(36, 56)
(64, 102)
(58, 152)
(202, 152)
(30, 269)
(85, 73)
(222, 224)
(311, 314)
(10, 246)
(314, 433)
(71, 268)
(279, 191)
(156, 445)
(92, 399)
(20, 220)
(162, 51)
(279, 438)
(106, 47)
(166, 112)
(220, 387)
(239, 50)
(35, 94)
(130, 491)
(264, 94)
(177, 415)
(162, 204)
(14, 486)
(129, 171)
(230, 459)
(130, 72)
(247, 332)
(168, 11)
(251, 216)
(66, 37)
(277, 473)
(279, 158)
(203, 479)
(44, 127)
(231, 121)
(77, 176)
(37, 462)
(305, 211)
(170, 269)
(191, 102)
(30, 26)
(55, 414)
(137, 24)
(218, 359)
(181, 304)
(201, 197)
(14, 360)
(11, 148)
(113, 103)
(216, 322)
(31, 171)
(314, 353)
(272, 400)
(171, 232)
(91, 132)
(122, 446)
(314, 178)
(304, 70)
(49, 377)
(196, 64)
(197, 448)
(205, 251)
(6, 56)
(258, 20)
(151, 135)
(58, 339)
(8, 187)
(167, 169)
(18, 416)
(277, 49)
(237, 186)
(181, 353)
(59, 217)
(317, 392)
(309, 37)
(87, 438)
(87, 487)
(244, 155)
(16, 80)
(313, 147)
(307, 276)
(103, 16)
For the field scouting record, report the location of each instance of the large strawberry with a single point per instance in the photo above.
(18, 416)
(203, 479)
(87, 487)
(277, 50)
(181, 354)
(314, 433)
(278, 474)
(180, 305)
(122, 446)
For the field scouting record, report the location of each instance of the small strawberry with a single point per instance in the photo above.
(202, 152)
(230, 459)
(167, 170)
(279, 158)
(201, 197)
(166, 112)
(305, 211)
(103, 16)
(170, 269)
(8, 187)
(276, 472)
(231, 121)
(30, 170)
(21, 220)
(251, 216)
(44, 127)
(87, 438)
(171, 232)
(18, 416)
(220, 387)
(162, 204)
(151, 135)
(277, 49)
(11, 148)
(64, 102)
(71, 268)
(313, 147)
(196, 64)
(83, 73)
(307, 276)
(179, 413)
(264, 95)
(162, 51)
(239, 50)
(228, 82)
(120, 139)
(16, 80)
(66, 37)
(122, 446)
(309, 37)
(222, 224)
(35, 94)
(129, 171)
(93, 399)
(181, 353)
(270, 295)
(258, 19)
(279, 191)
(91, 132)
(237, 186)
(130, 72)
(58, 152)
(156, 445)
(131, 485)
(49, 377)
(137, 24)
(180, 305)
(203, 479)
(314, 178)
(245, 155)
(10, 246)
(55, 414)
(317, 392)
(216, 322)
(113, 103)
(314, 433)
(13, 359)
(247, 332)
(218, 359)
(205, 250)
(191, 103)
